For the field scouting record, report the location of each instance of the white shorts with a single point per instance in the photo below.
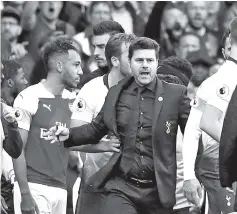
(50, 200)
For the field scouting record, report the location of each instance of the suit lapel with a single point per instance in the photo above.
(110, 106)
(158, 103)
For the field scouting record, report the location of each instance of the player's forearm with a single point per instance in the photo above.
(191, 144)
(91, 148)
(13, 143)
(19, 165)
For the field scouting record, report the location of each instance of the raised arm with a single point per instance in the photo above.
(29, 15)
(88, 133)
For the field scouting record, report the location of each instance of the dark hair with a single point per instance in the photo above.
(233, 30)
(182, 65)
(58, 46)
(10, 69)
(110, 27)
(143, 43)
(10, 11)
(113, 47)
(94, 3)
(170, 79)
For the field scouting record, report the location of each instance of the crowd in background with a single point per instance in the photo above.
(190, 30)
(195, 31)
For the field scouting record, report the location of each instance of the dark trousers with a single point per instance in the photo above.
(126, 198)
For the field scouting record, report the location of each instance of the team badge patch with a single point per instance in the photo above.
(18, 113)
(222, 91)
(78, 105)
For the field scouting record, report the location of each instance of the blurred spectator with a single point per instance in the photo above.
(213, 11)
(74, 12)
(18, 5)
(37, 24)
(153, 27)
(173, 25)
(229, 14)
(124, 14)
(145, 9)
(197, 14)
(201, 64)
(98, 11)
(11, 30)
(188, 42)
(212, 45)
(226, 45)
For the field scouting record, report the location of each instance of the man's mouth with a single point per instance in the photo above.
(144, 73)
(99, 59)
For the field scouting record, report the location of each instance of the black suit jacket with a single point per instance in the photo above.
(172, 106)
(228, 145)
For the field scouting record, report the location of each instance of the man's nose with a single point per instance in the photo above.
(79, 71)
(145, 64)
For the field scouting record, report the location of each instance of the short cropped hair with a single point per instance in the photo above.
(94, 3)
(143, 43)
(182, 65)
(113, 47)
(170, 79)
(107, 27)
(233, 30)
(58, 46)
(10, 69)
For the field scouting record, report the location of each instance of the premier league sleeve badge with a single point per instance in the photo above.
(78, 105)
(18, 114)
(222, 91)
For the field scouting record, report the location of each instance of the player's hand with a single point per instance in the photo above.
(19, 50)
(193, 191)
(8, 113)
(28, 204)
(109, 145)
(57, 134)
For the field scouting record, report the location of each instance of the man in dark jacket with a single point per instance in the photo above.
(144, 113)
(228, 147)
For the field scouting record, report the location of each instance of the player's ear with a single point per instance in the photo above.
(59, 66)
(10, 83)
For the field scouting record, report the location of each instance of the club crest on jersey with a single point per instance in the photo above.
(222, 91)
(18, 113)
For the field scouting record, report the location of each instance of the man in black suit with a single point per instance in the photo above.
(143, 113)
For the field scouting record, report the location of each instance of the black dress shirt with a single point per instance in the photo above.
(134, 111)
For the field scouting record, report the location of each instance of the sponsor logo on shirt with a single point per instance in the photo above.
(47, 106)
(43, 130)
